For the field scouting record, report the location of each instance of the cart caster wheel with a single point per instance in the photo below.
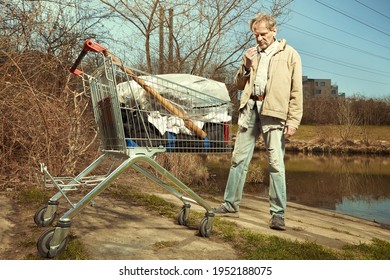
(205, 228)
(182, 218)
(43, 244)
(39, 217)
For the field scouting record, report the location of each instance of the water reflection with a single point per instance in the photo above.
(375, 209)
(353, 185)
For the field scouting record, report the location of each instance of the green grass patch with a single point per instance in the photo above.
(164, 244)
(74, 250)
(312, 132)
(32, 195)
(150, 202)
(253, 246)
(378, 250)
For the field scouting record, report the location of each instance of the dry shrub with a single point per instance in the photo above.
(188, 168)
(42, 119)
(255, 175)
(325, 135)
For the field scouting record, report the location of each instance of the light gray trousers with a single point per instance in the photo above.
(272, 131)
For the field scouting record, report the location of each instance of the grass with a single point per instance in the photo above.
(311, 132)
(378, 250)
(75, 250)
(34, 197)
(165, 244)
(254, 246)
(308, 133)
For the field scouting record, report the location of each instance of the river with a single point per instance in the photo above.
(353, 185)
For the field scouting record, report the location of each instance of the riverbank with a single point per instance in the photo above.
(381, 148)
(326, 139)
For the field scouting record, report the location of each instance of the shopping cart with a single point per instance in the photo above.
(138, 115)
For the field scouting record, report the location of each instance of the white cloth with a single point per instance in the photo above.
(202, 99)
(176, 125)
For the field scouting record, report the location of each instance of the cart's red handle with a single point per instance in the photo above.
(89, 46)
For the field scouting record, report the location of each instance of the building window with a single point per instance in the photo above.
(334, 91)
(322, 84)
(318, 91)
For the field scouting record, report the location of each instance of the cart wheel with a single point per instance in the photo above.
(43, 244)
(182, 218)
(205, 228)
(39, 217)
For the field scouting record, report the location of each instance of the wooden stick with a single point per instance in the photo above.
(167, 105)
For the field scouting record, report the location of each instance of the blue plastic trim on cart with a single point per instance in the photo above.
(131, 144)
(206, 143)
(171, 141)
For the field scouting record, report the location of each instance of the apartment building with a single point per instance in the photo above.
(313, 88)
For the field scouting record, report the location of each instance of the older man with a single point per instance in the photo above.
(270, 77)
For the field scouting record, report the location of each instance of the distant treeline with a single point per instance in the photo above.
(357, 110)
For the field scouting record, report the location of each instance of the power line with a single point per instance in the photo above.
(372, 9)
(346, 64)
(349, 47)
(347, 76)
(351, 17)
(346, 32)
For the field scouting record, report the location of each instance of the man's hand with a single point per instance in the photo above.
(289, 131)
(250, 55)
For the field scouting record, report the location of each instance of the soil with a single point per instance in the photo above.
(114, 230)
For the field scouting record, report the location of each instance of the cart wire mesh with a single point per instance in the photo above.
(139, 110)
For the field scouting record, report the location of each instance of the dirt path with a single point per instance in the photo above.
(115, 230)
(6, 225)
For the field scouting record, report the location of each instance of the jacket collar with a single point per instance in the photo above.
(281, 46)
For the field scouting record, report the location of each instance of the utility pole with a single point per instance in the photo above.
(161, 42)
(170, 42)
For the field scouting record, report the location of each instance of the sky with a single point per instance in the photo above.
(347, 41)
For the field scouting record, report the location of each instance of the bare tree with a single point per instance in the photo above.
(143, 15)
(44, 115)
(208, 36)
(348, 119)
(51, 26)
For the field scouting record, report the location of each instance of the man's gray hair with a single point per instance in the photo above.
(270, 21)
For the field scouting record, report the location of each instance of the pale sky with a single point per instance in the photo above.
(346, 41)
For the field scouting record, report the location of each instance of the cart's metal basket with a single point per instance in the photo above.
(135, 110)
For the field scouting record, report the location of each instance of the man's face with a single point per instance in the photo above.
(264, 37)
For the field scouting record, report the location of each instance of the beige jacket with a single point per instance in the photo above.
(283, 91)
